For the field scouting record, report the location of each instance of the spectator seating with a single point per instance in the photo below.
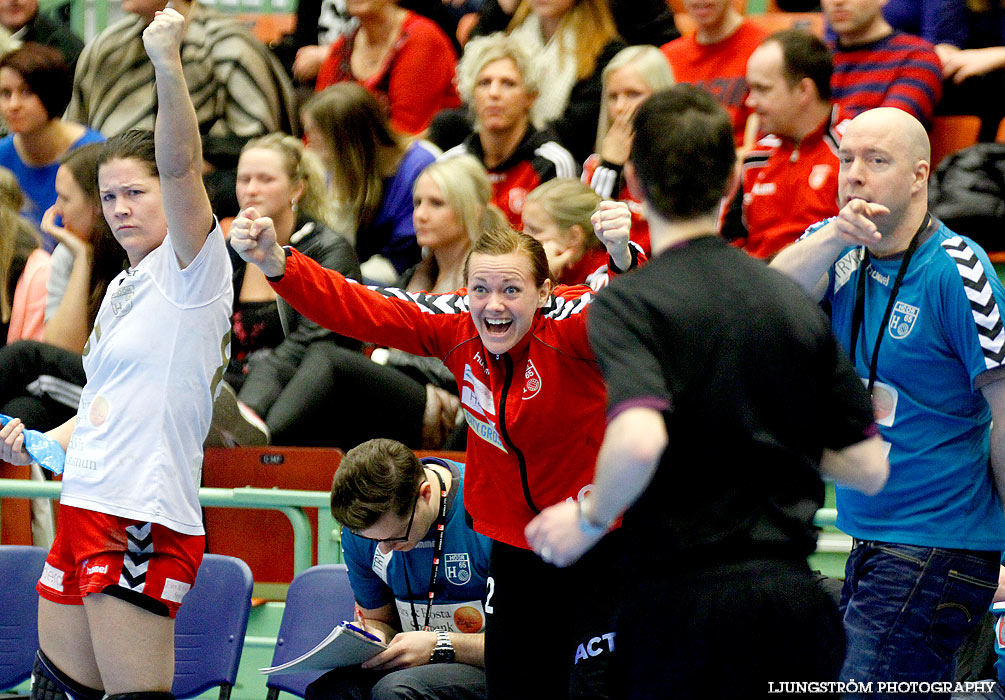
(262, 538)
(210, 627)
(20, 568)
(15, 513)
(772, 22)
(318, 599)
(951, 134)
(269, 27)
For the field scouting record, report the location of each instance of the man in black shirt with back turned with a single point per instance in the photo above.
(727, 397)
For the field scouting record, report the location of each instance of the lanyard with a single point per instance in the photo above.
(441, 527)
(858, 315)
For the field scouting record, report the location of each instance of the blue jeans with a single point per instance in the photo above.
(907, 609)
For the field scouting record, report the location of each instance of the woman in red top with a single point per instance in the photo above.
(533, 399)
(404, 59)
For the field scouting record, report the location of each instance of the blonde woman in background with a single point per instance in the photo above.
(451, 200)
(271, 365)
(498, 79)
(572, 41)
(628, 80)
(557, 214)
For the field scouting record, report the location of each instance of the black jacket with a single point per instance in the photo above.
(51, 32)
(269, 375)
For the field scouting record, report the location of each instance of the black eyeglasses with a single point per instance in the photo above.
(408, 530)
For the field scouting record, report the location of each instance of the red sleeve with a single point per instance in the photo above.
(422, 324)
(421, 76)
(566, 313)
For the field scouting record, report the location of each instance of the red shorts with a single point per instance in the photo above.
(143, 560)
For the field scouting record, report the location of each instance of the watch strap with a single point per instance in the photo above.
(443, 652)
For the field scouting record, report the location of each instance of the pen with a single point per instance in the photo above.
(359, 617)
(350, 626)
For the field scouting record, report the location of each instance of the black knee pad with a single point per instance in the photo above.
(147, 695)
(49, 683)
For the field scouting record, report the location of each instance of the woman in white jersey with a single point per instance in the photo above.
(130, 535)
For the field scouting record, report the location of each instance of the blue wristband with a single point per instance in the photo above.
(44, 450)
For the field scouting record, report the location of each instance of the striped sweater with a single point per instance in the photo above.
(899, 70)
(237, 86)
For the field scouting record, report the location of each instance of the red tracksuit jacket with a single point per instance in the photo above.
(536, 414)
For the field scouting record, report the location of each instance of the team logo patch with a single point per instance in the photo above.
(819, 175)
(122, 301)
(457, 567)
(533, 381)
(902, 320)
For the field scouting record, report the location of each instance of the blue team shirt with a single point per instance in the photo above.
(38, 183)
(378, 579)
(945, 331)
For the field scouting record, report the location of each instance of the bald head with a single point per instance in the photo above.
(885, 159)
(908, 137)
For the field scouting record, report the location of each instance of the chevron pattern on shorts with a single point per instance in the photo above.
(987, 318)
(137, 557)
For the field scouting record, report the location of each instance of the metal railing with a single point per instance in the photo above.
(290, 503)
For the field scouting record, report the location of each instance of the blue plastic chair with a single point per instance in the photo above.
(210, 627)
(20, 568)
(318, 599)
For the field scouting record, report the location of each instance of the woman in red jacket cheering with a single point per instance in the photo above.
(534, 402)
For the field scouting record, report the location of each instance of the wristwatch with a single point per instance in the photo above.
(443, 652)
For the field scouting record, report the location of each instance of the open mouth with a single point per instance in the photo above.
(497, 326)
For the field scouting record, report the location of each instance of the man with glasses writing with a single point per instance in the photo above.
(418, 573)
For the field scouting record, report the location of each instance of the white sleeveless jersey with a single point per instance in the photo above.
(156, 354)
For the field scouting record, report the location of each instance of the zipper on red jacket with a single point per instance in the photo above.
(508, 361)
